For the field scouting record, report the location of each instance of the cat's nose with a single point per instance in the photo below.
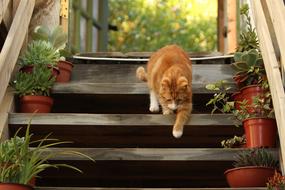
(172, 106)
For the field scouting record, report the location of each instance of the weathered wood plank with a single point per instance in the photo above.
(12, 46)
(116, 119)
(152, 154)
(6, 106)
(126, 73)
(3, 8)
(272, 71)
(114, 188)
(91, 79)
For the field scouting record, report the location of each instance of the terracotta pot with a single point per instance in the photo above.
(65, 69)
(260, 132)
(249, 176)
(29, 69)
(15, 186)
(237, 97)
(249, 93)
(39, 104)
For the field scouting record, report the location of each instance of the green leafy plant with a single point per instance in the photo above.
(39, 52)
(221, 100)
(276, 182)
(20, 163)
(236, 141)
(38, 82)
(262, 106)
(249, 68)
(255, 157)
(248, 39)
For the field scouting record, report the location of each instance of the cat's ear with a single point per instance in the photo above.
(183, 83)
(164, 84)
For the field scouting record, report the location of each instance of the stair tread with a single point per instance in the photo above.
(117, 119)
(121, 79)
(118, 88)
(152, 154)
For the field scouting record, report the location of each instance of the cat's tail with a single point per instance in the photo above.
(141, 74)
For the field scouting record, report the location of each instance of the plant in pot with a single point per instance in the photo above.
(252, 168)
(258, 122)
(39, 54)
(21, 164)
(33, 90)
(276, 182)
(58, 38)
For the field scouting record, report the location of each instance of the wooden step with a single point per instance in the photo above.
(121, 79)
(153, 154)
(128, 130)
(143, 168)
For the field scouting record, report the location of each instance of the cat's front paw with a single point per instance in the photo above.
(154, 108)
(177, 134)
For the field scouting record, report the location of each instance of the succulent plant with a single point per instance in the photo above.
(39, 52)
(248, 39)
(276, 182)
(255, 157)
(38, 82)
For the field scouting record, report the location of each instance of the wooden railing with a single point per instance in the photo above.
(78, 13)
(270, 25)
(11, 50)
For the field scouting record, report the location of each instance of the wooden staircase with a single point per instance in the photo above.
(104, 112)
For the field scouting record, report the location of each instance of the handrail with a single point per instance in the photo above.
(9, 55)
(13, 44)
(276, 15)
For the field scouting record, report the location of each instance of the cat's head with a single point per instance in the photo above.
(174, 92)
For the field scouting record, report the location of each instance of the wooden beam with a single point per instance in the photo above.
(272, 70)
(4, 5)
(139, 120)
(151, 154)
(221, 26)
(6, 106)
(13, 43)
(277, 14)
(231, 26)
(103, 20)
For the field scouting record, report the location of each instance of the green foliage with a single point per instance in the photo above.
(39, 82)
(236, 141)
(39, 52)
(248, 38)
(249, 68)
(147, 25)
(20, 163)
(57, 37)
(262, 106)
(255, 157)
(221, 99)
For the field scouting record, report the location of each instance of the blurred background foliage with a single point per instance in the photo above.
(147, 25)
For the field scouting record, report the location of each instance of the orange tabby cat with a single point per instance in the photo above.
(169, 77)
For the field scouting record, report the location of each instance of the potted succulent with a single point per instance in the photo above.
(252, 168)
(58, 38)
(276, 182)
(33, 90)
(39, 53)
(20, 164)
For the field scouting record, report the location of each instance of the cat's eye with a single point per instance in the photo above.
(168, 100)
(179, 100)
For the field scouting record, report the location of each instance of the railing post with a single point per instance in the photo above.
(89, 26)
(103, 20)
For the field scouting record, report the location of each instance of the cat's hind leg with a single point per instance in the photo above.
(154, 105)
